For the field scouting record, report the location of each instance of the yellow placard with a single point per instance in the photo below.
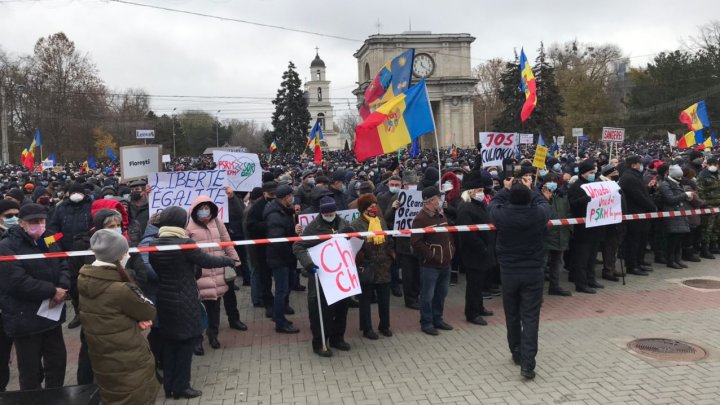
(540, 155)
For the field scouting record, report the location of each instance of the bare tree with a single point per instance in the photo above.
(487, 103)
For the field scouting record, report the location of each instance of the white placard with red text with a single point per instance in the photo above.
(613, 134)
(337, 271)
(496, 146)
(605, 206)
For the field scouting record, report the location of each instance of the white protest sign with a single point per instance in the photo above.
(497, 146)
(166, 158)
(348, 215)
(139, 161)
(180, 189)
(526, 139)
(145, 133)
(243, 169)
(48, 164)
(337, 270)
(605, 206)
(672, 139)
(577, 132)
(560, 140)
(613, 134)
(411, 203)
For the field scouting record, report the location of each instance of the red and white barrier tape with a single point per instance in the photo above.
(439, 229)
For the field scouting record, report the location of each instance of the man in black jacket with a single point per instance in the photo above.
(637, 197)
(279, 221)
(257, 230)
(520, 215)
(24, 286)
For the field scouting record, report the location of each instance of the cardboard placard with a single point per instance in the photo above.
(243, 169)
(138, 161)
(605, 207)
(496, 146)
(180, 189)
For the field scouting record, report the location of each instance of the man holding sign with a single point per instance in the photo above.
(335, 315)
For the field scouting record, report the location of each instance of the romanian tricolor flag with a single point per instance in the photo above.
(392, 80)
(695, 116)
(316, 135)
(690, 139)
(48, 241)
(273, 146)
(395, 124)
(709, 142)
(527, 85)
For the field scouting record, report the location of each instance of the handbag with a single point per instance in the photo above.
(230, 274)
(366, 275)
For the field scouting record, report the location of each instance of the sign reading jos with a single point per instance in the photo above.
(139, 161)
(243, 169)
(497, 146)
(348, 215)
(337, 271)
(605, 206)
(145, 133)
(613, 134)
(180, 189)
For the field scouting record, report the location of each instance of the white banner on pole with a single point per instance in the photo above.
(348, 215)
(166, 158)
(577, 132)
(526, 139)
(672, 139)
(140, 160)
(605, 206)
(337, 270)
(243, 169)
(560, 140)
(613, 134)
(180, 189)
(145, 133)
(496, 146)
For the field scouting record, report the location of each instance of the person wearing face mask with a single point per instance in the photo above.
(557, 238)
(637, 197)
(708, 182)
(257, 229)
(304, 191)
(387, 204)
(335, 315)
(41, 196)
(586, 241)
(138, 210)
(279, 216)
(373, 261)
(114, 312)
(206, 227)
(435, 251)
(478, 248)
(9, 211)
(674, 198)
(72, 216)
(24, 285)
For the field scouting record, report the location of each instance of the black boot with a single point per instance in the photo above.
(705, 251)
(660, 258)
(690, 255)
(678, 259)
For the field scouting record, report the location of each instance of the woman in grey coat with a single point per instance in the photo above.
(674, 198)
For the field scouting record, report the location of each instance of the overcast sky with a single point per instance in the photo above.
(172, 54)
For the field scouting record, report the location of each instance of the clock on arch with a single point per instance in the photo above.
(423, 65)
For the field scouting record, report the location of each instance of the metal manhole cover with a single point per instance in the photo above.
(667, 349)
(703, 283)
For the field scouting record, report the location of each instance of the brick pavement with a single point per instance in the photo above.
(582, 358)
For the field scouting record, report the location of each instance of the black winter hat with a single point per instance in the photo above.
(32, 211)
(519, 194)
(16, 194)
(477, 179)
(430, 192)
(430, 177)
(174, 216)
(586, 166)
(76, 188)
(8, 205)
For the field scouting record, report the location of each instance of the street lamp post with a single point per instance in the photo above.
(217, 130)
(173, 127)
(4, 124)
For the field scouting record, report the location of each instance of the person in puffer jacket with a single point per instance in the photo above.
(205, 226)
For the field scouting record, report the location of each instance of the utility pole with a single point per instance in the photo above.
(173, 126)
(3, 125)
(217, 130)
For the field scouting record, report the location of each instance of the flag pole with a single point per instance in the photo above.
(322, 325)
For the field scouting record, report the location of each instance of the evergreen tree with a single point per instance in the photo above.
(291, 117)
(549, 107)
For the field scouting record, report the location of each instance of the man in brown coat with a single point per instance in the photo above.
(435, 251)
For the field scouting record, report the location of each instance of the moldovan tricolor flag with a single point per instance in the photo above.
(392, 80)
(316, 135)
(695, 116)
(527, 85)
(395, 124)
(690, 139)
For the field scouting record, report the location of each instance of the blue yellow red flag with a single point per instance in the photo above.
(695, 116)
(390, 81)
(690, 139)
(527, 85)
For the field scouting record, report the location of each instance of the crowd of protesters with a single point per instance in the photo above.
(177, 295)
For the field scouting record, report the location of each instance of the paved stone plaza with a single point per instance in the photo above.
(582, 360)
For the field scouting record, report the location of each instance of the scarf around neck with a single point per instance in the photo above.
(373, 226)
(172, 231)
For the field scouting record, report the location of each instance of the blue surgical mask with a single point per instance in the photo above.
(551, 186)
(202, 214)
(575, 170)
(394, 190)
(543, 173)
(11, 221)
(556, 167)
(591, 177)
(642, 168)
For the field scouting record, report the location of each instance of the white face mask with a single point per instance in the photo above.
(76, 197)
(124, 259)
(712, 169)
(329, 218)
(118, 230)
(479, 197)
